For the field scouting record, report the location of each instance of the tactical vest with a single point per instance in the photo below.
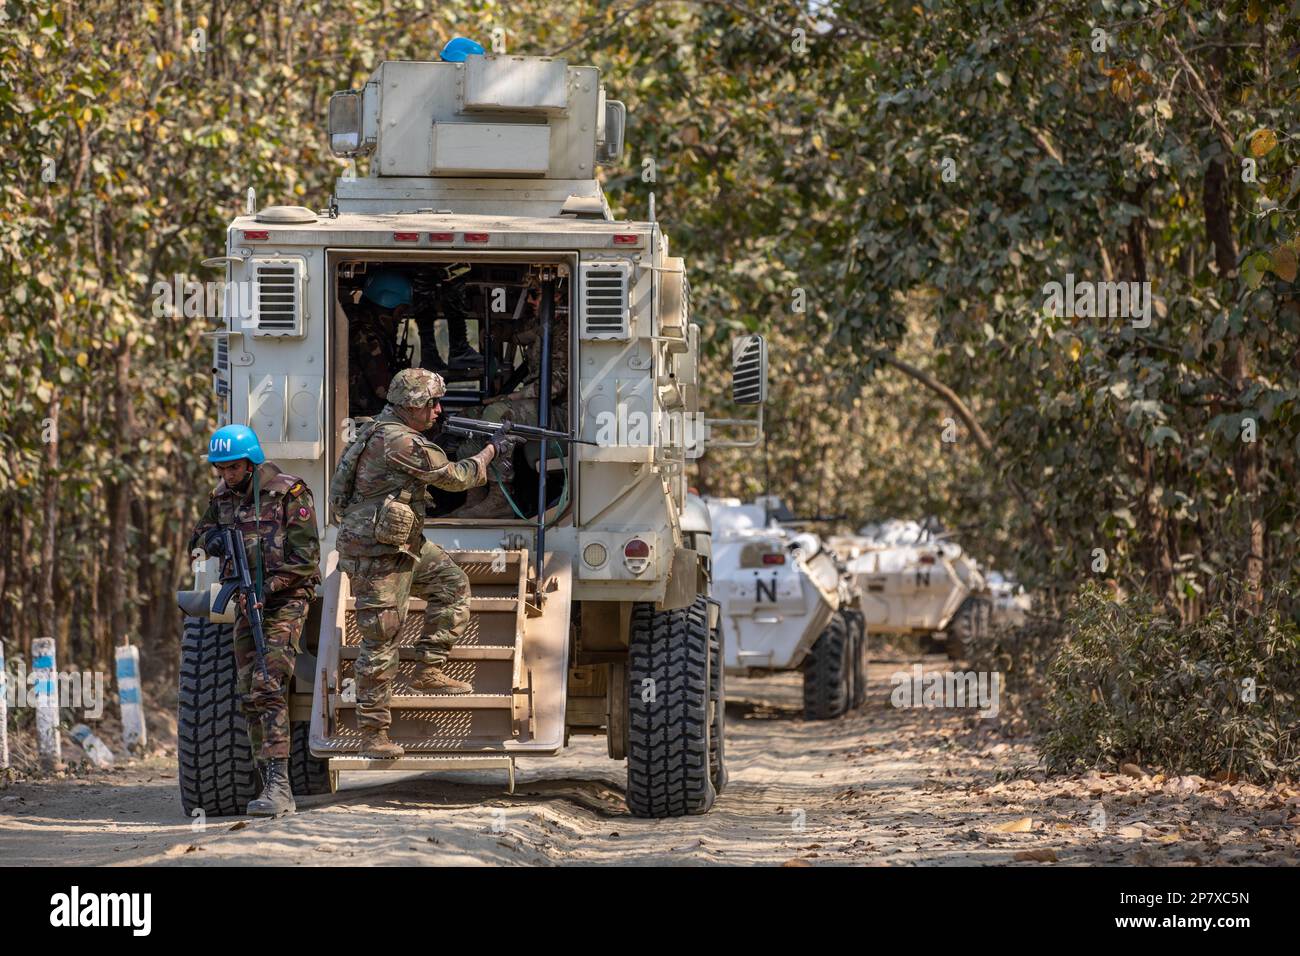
(259, 517)
(344, 482)
(389, 518)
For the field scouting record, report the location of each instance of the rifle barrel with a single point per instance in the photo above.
(474, 426)
(239, 561)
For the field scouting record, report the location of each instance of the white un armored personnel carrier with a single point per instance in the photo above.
(786, 605)
(1010, 604)
(590, 599)
(914, 580)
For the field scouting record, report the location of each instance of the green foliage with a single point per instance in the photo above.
(1067, 160)
(1132, 683)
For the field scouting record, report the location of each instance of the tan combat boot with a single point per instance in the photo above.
(276, 798)
(376, 745)
(434, 680)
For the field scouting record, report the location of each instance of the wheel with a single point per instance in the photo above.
(718, 703)
(668, 713)
(858, 631)
(217, 773)
(962, 629)
(308, 775)
(827, 673)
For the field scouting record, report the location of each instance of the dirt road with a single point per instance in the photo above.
(881, 786)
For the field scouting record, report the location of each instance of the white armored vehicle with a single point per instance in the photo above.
(913, 580)
(1010, 603)
(786, 605)
(590, 591)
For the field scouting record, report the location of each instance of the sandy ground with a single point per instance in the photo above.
(881, 786)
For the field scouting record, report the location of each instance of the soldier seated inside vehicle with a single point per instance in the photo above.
(514, 381)
(476, 325)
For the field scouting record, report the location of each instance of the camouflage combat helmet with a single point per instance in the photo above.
(415, 388)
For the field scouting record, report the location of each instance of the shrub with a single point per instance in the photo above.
(1130, 683)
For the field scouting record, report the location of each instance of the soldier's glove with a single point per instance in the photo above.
(214, 543)
(503, 443)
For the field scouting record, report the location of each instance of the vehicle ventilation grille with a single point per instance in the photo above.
(278, 307)
(605, 310)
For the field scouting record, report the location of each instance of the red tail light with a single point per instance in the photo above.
(442, 236)
(927, 559)
(406, 237)
(476, 237)
(252, 235)
(626, 240)
(636, 548)
(774, 559)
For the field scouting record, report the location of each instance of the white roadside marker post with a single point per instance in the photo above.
(46, 698)
(95, 749)
(128, 696)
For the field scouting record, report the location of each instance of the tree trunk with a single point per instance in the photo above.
(119, 500)
(22, 608)
(50, 531)
(1236, 369)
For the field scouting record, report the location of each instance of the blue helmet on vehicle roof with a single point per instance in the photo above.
(457, 48)
(387, 289)
(233, 442)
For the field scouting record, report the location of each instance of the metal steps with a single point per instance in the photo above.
(428, 763)
(482, 652)
(435, 702)
(508, 642)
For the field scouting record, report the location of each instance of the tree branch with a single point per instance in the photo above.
(1202, 94)
(947, 394)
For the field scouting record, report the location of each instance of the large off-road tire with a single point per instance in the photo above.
(827, 673)
(308, 775)
(217, 773)
(718, 702)
(668, 713)
(969, 624)
(858, 636)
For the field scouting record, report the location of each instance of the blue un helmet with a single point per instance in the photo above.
(387, 289)
(457, 48)
(234, 442)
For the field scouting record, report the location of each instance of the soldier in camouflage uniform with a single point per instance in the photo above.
(520, 405)
(274, 510)
(379, 489)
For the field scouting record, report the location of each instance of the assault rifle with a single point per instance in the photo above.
(222, 543)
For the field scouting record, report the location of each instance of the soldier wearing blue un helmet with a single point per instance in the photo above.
(275, 512)
(375, 354)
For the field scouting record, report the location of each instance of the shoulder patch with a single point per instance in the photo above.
(298, 488)
(283, 483)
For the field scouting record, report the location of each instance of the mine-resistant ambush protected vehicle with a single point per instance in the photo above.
(590, 594)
